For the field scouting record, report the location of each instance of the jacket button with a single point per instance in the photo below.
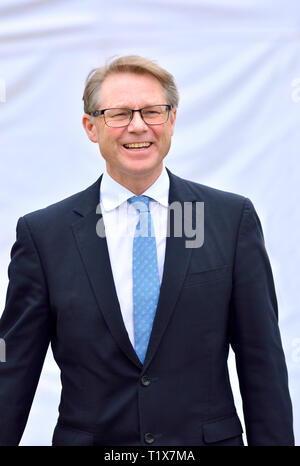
(149, 438)
(145, 380)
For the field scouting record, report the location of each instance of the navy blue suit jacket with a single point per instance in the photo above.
(61, 290)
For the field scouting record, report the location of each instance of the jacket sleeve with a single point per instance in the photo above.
(256, 341)
(25, 328)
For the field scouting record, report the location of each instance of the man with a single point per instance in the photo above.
(140, 325)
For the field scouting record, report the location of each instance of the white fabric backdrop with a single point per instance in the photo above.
(238, 71)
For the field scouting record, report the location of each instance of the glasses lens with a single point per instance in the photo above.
(155, 115)
(117, 117)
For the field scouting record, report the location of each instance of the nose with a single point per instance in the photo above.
(137, 123)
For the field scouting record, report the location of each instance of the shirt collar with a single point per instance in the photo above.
(113, 194)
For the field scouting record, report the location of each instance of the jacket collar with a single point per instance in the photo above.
(86, 201)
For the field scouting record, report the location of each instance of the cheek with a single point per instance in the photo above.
(166, 136)
(104, 146)
(106, 139)
(161, 135)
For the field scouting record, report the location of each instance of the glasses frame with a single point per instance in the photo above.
(102, 112)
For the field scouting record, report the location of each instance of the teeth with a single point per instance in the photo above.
(138, 145)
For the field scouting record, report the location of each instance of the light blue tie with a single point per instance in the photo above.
(145, 275)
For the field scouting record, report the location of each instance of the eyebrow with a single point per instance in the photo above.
(131, 108)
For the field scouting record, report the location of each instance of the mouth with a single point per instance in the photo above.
(137, 145)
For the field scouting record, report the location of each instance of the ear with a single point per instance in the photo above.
(90, 127)
(173, 118)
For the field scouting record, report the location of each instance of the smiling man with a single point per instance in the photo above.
(133, 152)
(140, 324)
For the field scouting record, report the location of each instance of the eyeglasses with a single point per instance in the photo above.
(119, 117)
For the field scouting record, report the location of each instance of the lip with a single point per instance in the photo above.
(136, 142)
(137, 150)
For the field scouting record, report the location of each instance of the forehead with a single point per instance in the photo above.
(131, 90)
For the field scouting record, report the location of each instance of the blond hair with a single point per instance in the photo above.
(132, 64)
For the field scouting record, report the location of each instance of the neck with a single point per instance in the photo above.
(136, 184)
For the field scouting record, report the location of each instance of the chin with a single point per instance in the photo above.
(144, 169)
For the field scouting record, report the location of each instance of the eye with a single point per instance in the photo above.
(151, 113)
(118, 113)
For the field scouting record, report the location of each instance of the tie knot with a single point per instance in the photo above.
(141, 203)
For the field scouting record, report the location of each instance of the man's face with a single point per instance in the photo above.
(130, 90)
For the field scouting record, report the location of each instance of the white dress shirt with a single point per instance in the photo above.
(120, 220)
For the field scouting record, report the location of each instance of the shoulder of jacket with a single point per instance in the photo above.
(209, 193)
(61, 209)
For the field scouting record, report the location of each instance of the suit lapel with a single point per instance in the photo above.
(177, 258)
(94, 253)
